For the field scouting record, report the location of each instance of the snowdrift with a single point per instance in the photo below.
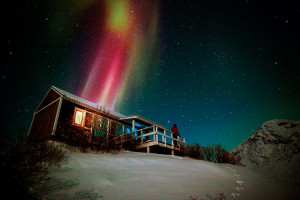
(132, 175)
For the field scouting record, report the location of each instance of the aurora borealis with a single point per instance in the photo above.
(217, 69)
(128, 27)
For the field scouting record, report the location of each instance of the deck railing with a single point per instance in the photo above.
(153, 134)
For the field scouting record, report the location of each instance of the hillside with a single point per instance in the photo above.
(132, 175)
(274, 150)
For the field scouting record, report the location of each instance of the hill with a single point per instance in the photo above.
(274, 150)
(133, 175)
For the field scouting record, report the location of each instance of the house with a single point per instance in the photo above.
(71, 118)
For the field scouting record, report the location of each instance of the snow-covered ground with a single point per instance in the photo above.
(132, 175)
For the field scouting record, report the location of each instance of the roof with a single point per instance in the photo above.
(86, 102)
(142, 119)
(122, 117)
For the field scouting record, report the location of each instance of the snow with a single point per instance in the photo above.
(133, 175)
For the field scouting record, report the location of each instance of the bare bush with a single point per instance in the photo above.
(215, 153)
(221, 155)
(209, 153)
(195, 151)
(234, 158)
(218, 196)
(104, 135)
(129, 142)
(25, 165)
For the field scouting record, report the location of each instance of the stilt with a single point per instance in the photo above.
(148, 149)
(172, 152)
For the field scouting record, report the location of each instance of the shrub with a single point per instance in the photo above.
(129, 142)
(195, 151)
(234, 158)
(215, 153)
(25, 165)
(209, 153)
(218, 196)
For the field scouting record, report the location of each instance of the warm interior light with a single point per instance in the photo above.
(78, 117)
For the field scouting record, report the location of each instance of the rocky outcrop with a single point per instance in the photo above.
(274, 149)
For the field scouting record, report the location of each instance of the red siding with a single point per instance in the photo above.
(43, 122)
(51, 96)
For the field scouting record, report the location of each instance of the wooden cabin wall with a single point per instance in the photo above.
(66, 130)
(70, 133)
(43, 122)
(51, 96)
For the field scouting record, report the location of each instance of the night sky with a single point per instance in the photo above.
(218, 69)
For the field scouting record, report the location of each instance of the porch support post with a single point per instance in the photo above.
(156, 135)
(108, 128)
(153, 134)
(122, 136)
(133, 128)
(165, 139)
(133, 125)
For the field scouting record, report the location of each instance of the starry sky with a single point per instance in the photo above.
(218, 69)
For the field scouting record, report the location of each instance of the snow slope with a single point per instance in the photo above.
(133, 175)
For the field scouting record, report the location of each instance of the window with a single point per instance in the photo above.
(119, 129)
(100, 126)
(88, 120)
(79, 117)
(127, 129)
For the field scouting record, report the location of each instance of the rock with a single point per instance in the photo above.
(274, 150)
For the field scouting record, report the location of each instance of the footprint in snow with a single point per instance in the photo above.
(238, 181)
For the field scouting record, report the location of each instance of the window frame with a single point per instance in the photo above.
(83, 117)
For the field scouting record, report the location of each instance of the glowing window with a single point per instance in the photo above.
(78, 117)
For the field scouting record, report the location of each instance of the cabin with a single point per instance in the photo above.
(62, 115)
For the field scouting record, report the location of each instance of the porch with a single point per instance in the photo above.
(147, 134)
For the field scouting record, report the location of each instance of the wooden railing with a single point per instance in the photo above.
(152, 133)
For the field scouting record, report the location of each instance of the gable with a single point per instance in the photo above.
(49, 98)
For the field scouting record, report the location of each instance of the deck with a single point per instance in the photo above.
(153, 136)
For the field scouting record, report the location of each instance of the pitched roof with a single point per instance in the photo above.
(84, 101)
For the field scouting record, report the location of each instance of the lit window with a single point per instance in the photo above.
(78, 117)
